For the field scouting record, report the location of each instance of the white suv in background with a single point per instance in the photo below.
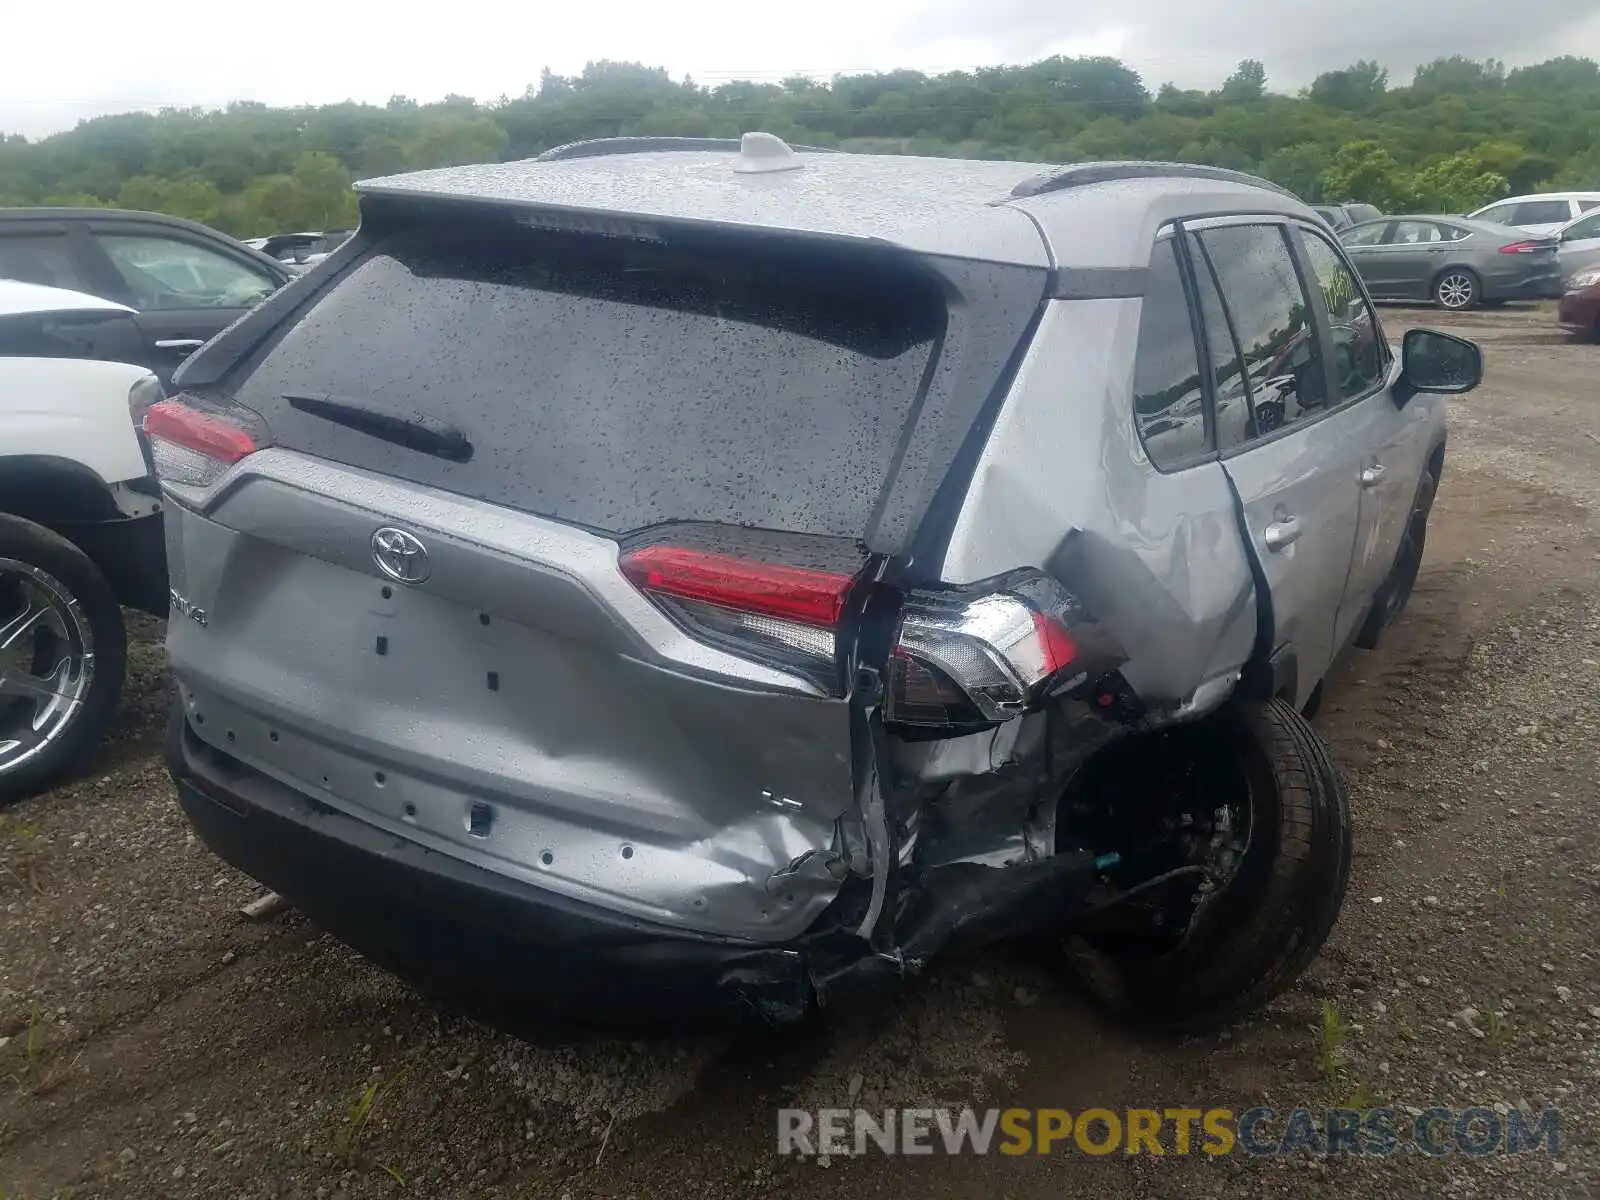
(1541, 214)
(80, 529)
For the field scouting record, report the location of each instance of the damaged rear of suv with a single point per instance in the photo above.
(671, 579)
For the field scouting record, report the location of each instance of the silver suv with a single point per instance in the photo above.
(672, 578)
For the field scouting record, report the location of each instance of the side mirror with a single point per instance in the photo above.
(1431, 361)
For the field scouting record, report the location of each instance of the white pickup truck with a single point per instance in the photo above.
(80, 531)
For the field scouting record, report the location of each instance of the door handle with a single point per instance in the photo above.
(1372, 476)
(180, 343)
(1281, 533)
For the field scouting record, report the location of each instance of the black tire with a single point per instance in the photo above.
(1272, 917)
(28, 543)
(1457, 289)
(1395, 591)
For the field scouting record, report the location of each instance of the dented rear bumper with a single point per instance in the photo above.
(516, 951)
(473, 934)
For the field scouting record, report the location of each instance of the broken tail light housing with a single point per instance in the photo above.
(975, 658)
(194, 440)
(785, 616)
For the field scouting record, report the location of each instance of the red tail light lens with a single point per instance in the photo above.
(193, 441)
(1523, 247)
(783, 616)
(181, 425)
(788, 593)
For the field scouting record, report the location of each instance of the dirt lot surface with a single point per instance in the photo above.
(154, 1043)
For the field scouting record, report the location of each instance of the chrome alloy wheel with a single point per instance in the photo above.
(46, 661)
(1457, 290)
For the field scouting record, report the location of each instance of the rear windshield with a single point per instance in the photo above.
(618, 383)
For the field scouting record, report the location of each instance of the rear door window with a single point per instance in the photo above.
(1365, 235)
(1271, 320)
(1234, 423)
(617, 383)
(1168, 400)
(1416, 233)
(45, 258)
(1542, 212)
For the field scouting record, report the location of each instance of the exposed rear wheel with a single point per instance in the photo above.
(1245, 938)
(63, 650)
(1457, 290)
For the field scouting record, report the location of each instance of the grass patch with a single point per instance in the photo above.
(350, 1140)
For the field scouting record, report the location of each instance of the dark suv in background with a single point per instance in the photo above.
(186, 282)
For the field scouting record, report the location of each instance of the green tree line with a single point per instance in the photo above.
(1461, 133)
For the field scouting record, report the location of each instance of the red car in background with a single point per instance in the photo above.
(1580, 306)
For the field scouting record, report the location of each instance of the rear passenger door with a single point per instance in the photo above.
(1293, 460)
(186, 291)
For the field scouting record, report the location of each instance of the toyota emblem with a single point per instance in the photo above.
(400, 555)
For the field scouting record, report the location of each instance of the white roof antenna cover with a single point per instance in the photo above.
(760, 153)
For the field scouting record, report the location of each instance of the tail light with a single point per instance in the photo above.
(789, 616)
(1525, 247)
(145, 394)
(194, 440)
(964, 660)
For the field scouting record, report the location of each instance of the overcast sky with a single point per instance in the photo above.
(122, 56)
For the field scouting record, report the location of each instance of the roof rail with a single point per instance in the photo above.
(595, 147)
(1084, 174)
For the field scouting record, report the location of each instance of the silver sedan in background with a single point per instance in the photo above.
(1580, 245)
(1454, 262)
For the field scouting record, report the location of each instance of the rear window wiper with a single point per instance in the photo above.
(424, 434)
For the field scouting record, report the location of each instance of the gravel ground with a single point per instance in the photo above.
(153, 1043)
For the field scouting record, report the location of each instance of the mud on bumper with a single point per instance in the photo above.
(500, 947)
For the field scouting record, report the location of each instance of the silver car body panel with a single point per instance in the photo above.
(621, 763)
(1580, 245)
(1159, 559)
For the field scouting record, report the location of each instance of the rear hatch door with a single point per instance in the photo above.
(549, 560)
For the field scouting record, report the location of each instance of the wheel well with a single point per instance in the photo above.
(1436, 463)
(49, 491)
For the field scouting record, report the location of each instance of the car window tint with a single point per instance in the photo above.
(1360, 356)
(39, 258)
(1454, 233)
(1168, 401)
(1261, 291)
(1589, 227)
(166, 273)
(1500, 214)
(1587, 205)
(1364, 235)
(619, 384)
(1231, 418)
(1412, 233)
(1542, 212)
(106, 334)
